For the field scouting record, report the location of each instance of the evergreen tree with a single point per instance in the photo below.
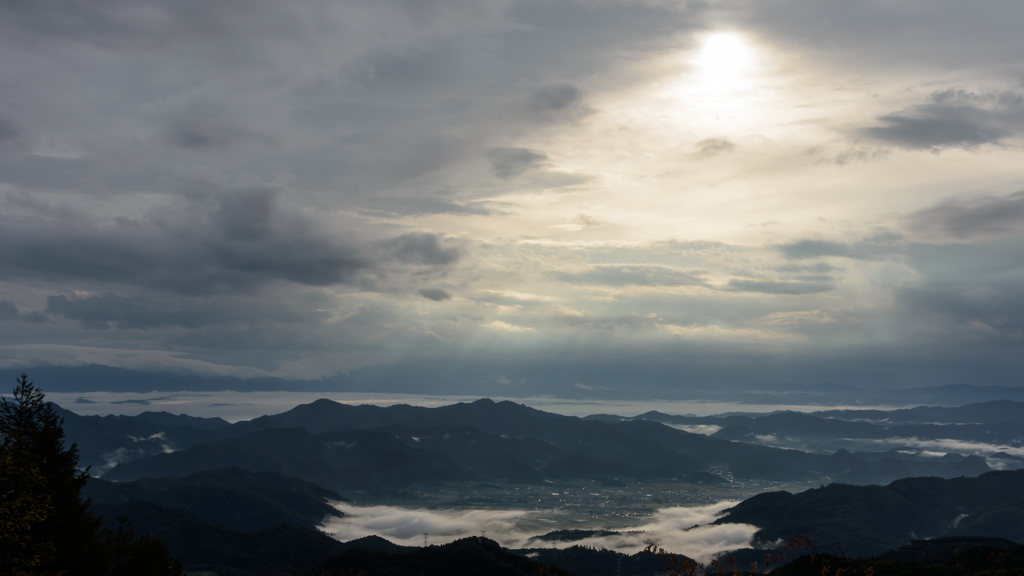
(45, 526)
(130, 556)
(24, 504)
(36, 435)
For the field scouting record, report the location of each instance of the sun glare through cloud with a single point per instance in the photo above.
(724, 64)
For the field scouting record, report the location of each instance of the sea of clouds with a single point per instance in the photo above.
(684, 530)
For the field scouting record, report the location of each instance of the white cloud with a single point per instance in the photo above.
(506, 327)
(406, 526)
(948, 445)
(706, 429)
(684, 530)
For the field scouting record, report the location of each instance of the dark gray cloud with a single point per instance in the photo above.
(8, 311)
(633, 275)
(34, 317)
(99, 312)
(954, 118)
(934, 126)
(435, 294)
(817, 249)
(972, 217)
(44, 172)
(423, 205)
(780, 287)
(875, 247)
(938, 312)
(714, 146)
(197, 260)
(246, 215)
(1005, 99)
(422, 248)
(952, 304)
(815, 268)
(507, 163)
(8, 131)
(242, 244)
(199, 133)
(556, 102)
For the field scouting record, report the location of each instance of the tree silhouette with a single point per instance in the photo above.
(45, 526)
(24, 504)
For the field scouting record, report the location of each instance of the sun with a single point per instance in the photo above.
(724, 63)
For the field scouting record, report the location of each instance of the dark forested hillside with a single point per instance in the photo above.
(467, 557)
(868, 520)
(232, 497)
(340, 460)
(203, 545)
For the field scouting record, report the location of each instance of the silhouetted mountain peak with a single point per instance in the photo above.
(168, 419)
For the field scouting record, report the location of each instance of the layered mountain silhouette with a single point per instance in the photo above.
(347, 460)
(868, 520)
(361, 447)
(246, 498)
(996, 422)
(377, 450)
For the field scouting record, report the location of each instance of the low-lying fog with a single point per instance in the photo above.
(685, 530)
(919, 447)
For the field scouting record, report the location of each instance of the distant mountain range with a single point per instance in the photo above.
(377, 450)
(94, 377)
(992, 430)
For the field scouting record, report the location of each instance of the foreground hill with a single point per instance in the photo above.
(232, 497)
(467, 557)
(868, 520)
(952, 556)
(205, 546)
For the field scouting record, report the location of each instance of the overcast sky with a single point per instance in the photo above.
(588, 194)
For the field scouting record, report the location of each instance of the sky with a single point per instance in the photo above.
(506, 194)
